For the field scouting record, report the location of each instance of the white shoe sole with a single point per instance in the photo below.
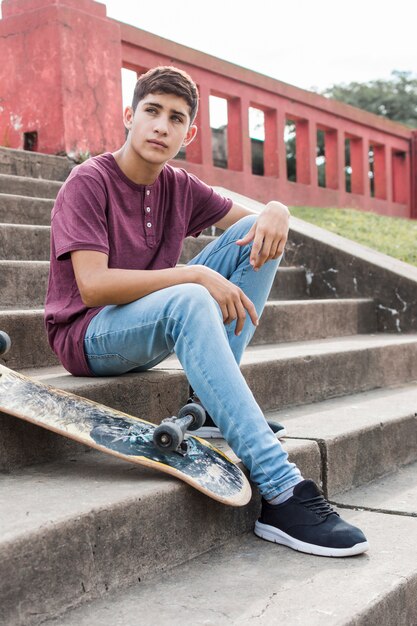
(270, 533)
(212, 432)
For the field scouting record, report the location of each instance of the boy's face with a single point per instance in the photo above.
(159, 127)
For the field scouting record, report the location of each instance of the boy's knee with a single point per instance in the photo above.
(196, 298)
(194, 295)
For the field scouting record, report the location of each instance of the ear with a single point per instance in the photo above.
(128, 117)
(189, 137)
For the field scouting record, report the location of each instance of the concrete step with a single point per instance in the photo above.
(297, 320)
(23, 242)
(23, 210)
(32, 187)
(34, 164)
(92, 542)
(74, 530)
(282, 321)
(23, 284)
(248, 581)
(30, 346)
(290, 284)
(193, 246)
(290, 374)
(361, 436)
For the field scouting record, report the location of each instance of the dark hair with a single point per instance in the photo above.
(170, 80)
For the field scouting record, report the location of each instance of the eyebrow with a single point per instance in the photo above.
(160, 107)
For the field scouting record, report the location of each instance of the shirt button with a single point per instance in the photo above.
(148, 192)
(148, 209)
(149, 225)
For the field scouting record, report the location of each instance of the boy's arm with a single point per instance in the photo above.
(269, 233)
(100, 285)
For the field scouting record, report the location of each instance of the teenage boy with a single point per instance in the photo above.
(117, 302)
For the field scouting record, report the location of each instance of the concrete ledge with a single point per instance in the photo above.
(193, 246)
(297, 373)
(281, 321)
(21, 242)
(23, 283)
(116, 525)
(23, 210)
(32, 187)
(290, 284)
(361, 436)
(395, 493)
(314, 319)
(30, 346)
(34, 164)
(249, 581)
(328, 368)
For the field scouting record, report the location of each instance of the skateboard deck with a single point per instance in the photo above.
(130, 438)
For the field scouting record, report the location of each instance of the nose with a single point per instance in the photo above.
(161, 125)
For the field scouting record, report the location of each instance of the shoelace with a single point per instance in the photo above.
(319, 505)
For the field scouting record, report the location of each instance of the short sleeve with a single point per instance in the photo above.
(79, 220)
(208, 206)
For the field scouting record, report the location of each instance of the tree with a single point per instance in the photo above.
(395, 99)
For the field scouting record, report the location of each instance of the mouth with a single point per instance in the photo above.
(159, 144)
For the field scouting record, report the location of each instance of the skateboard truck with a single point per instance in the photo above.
(5, 342)
(169, 435)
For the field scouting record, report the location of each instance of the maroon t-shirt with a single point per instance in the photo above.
(137, 226)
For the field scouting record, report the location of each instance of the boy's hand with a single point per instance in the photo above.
(232, 300)
(269, 234)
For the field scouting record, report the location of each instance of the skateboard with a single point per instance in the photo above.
(167, 448)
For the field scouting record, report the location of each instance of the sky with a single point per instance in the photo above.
(305, 43)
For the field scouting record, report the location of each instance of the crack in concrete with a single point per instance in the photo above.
(370, 509)
(268, 603)
(403, 302)
(323, 459)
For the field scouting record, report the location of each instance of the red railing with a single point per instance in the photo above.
(384, 186)
(60, 92)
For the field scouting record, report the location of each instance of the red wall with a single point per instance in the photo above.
(60, 76)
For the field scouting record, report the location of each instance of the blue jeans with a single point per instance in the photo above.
(186, 319)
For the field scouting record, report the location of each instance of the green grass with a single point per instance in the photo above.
(395, 236)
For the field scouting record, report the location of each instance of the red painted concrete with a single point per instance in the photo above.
(413, 167)
(380, 174)
(60, 77)
(332, 159)
(282, 101)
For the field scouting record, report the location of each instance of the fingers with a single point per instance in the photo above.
(235, 310)
(257, 247)
(250, 307)
(270, 249)
(240, 318)
(248, 237)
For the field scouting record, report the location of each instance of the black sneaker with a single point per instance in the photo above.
(209, 430)
(306, 522)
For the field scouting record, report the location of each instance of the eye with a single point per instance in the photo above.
(151, 110)
(177, 119)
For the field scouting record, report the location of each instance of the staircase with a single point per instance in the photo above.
(86, 538)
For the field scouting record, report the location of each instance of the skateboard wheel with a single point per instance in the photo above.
(168, 436)
(198, 413)
(5, 342)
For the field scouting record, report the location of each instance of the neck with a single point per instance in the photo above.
(137, 170)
